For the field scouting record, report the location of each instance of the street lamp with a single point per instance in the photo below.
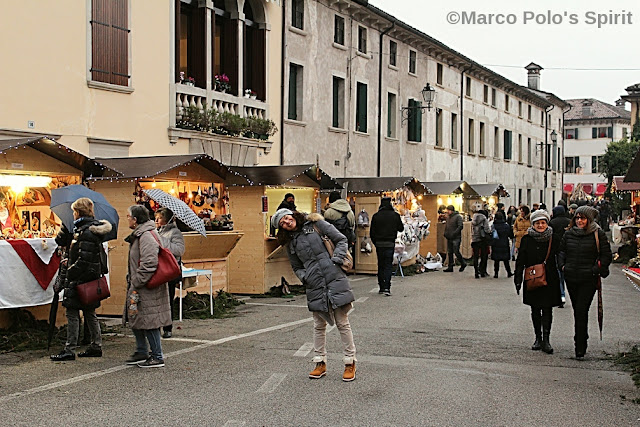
(554, 136)
(428, 95)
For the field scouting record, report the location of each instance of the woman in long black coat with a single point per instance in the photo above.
(578, 258)
(500, 247)
(533, 250)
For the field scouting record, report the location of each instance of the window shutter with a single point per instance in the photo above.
(594, 133)
(336, 89)
(361, 113)
(610, 132)
(293, 93)
(575, 133)
(110, 41)
(389, 113)
(418, 123)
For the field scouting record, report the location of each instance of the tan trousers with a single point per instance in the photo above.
(341, 317)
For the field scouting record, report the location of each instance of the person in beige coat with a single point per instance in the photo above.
(521, 224)
(146, 310)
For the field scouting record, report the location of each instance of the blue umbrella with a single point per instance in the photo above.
(62, 198)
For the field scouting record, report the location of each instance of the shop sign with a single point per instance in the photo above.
(17, 165)
(181, 173)
(265, 204)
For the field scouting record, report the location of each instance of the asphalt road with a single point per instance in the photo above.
(444, 350)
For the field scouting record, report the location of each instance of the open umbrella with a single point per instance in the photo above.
(179, 208)
(62, 198)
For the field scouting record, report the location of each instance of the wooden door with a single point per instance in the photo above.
(366, 262)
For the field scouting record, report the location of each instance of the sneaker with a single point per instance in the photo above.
(563, 299)
(387, 292)
(319, 371)
(91, 352)
(349, 372)
(167, 334)
(462, 267)
(64, 355)
(152, 362)
(381, 291)
(136, 358)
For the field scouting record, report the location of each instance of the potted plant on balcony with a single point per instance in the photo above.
(189, 81)
(260, 128)
(247, 93)
(228, 124)
(222, 83)
(253, 94)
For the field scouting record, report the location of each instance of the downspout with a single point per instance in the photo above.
(282, 85)
(347, 119)
(546, 152)
(382, 34)
(563, 162)
(464, 70)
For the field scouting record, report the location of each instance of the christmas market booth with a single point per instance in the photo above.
(463, 197)
(30, 168)
(407, 197)
(259, 263)
(488, 196)
(196, 179)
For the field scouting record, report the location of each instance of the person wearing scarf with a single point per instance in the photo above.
(578, 257)
(533, 250)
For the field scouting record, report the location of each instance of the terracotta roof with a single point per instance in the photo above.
(600, 110)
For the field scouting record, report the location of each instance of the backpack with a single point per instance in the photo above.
(342, 224)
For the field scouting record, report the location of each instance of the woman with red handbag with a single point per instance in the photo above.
(84, 265)
(538, 248)
(146, 310)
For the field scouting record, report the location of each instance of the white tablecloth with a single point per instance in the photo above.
(619, 237)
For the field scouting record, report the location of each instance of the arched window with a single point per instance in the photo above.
(254, 56)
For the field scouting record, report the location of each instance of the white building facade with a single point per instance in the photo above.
(350, 69)
(590, 126)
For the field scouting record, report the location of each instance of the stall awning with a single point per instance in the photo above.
(587, 188)
(488, 190)
(633, 173)
(619, 184)
(151, 166)
(601, 187)
(382, 184)
(568, 187)
(89, 167)
(451, 187)
(286, 175)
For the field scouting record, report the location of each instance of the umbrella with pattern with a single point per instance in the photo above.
(179, 208)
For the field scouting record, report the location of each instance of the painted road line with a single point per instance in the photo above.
(374, 290)
(362, 299)
(272, 383)
(358, 279)
(119, 368)
(331, 328)
(234, 423)
(190, 340)
(304, 350)
(276, 305)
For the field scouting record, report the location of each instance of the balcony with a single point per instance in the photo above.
(223, 102)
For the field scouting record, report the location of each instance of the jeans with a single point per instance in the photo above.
(73, 328)
(340, 314)
(385, 265)
(581, 294)
(513, 246)
(453, 248)
(151, 335)
(561, 275)
(481, 253)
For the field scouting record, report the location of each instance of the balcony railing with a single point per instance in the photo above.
(222, 102)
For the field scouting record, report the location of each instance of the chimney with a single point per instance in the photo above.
(533, 71)
(620, 103)
(587, 111)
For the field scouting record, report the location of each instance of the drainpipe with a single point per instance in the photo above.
(546, 151)
(464, 70)
(282, 68)
(382, 34)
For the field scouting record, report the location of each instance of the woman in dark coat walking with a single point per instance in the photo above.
(500, 247)
(87, 262)
(536, 246)
(578, 258)
(329, 294)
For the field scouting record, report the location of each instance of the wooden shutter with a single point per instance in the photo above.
(336, 99)
(610, 132)
(361, 109)
(594, 133)
(575, 133)
(418, 121)
(110, 41)
(293, 92)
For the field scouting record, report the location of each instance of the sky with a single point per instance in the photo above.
(586, 47)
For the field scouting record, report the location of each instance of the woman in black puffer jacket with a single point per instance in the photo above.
(500, 247)
(578, 258)
(86, 262)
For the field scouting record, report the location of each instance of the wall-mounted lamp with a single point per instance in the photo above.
(428, 95)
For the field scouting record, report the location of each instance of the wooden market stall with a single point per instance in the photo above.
(29, 169)
(462, 196)
(198, 180)
(364, 194)
(259, 263)
(488, 195)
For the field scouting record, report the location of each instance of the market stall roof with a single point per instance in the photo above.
(488, 190)
(451, 187)
(619, 184)
(286, 175)
(633, 173)
(150, 166)
(89, 167)
(382, 184)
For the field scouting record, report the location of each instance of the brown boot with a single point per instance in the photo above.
(349, 372)
(319, 371)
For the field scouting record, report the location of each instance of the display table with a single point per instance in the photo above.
(621, 234)
(18, 285)
(192, 272)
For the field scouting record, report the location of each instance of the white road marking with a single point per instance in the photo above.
(189, 340)
(331, 328)
(276, 305)
(362, 299)
(119, 368)
(374, 290)
(304, 350)
(234, 423)
(358, 279)
(272, 383)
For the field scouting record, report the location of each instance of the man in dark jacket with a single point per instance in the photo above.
(559, 224)
(288, 202)
(385, 225)
(453, 234)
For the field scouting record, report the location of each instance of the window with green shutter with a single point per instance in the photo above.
(415, 121)
(297, 14)
(361, 108)
(338, 31)
(295, 92)
(507, 145)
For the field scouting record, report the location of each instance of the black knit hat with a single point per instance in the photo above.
(335, 195)
(589, 212)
